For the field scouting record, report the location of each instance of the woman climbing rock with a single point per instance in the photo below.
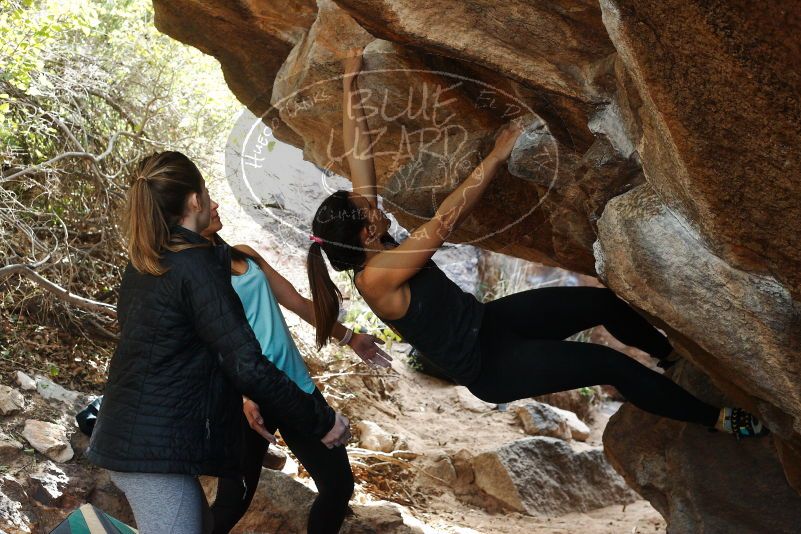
(508, 349)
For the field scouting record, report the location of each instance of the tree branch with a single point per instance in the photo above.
(113, 104)
(58, 291)
(84, 155)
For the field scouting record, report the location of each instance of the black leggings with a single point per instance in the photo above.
(524, 353)
(329, 468)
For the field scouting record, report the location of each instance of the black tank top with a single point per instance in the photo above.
(442, 323)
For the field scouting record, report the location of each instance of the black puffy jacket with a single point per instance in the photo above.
(186, 354)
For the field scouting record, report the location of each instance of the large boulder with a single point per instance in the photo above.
(547, 476)
(523, 40)
(721, 119)
(251, 39)
(647, 252)
(705, 248)
(701, 481)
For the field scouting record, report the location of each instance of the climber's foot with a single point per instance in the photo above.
(741, 423)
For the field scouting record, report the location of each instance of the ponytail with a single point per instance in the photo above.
(326, 296)
(146, 228)
(335, 229)
(156, 201)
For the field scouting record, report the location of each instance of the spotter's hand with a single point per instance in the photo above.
(366, 347)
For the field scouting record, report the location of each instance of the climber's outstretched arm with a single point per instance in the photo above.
(393, 267)
(355, 132)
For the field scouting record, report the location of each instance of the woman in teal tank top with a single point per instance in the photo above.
(267, 321)
(261, 289)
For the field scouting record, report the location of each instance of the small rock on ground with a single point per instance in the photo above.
(49, 439)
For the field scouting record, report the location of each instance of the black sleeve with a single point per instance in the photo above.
(221, 323)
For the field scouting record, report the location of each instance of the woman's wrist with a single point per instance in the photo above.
(493, 159)
(346, 338)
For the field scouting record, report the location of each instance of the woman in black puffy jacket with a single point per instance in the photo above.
(172, 408)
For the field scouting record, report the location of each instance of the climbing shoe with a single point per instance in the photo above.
(742, 424)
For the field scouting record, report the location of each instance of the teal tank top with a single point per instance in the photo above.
(267, 322)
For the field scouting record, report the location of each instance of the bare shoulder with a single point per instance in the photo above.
(363, 283)
(371, 283)
(386, 302)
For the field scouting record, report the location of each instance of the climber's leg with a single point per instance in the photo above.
(559, 312)
(515, 368)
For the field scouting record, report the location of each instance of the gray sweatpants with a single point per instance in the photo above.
(164, 503)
